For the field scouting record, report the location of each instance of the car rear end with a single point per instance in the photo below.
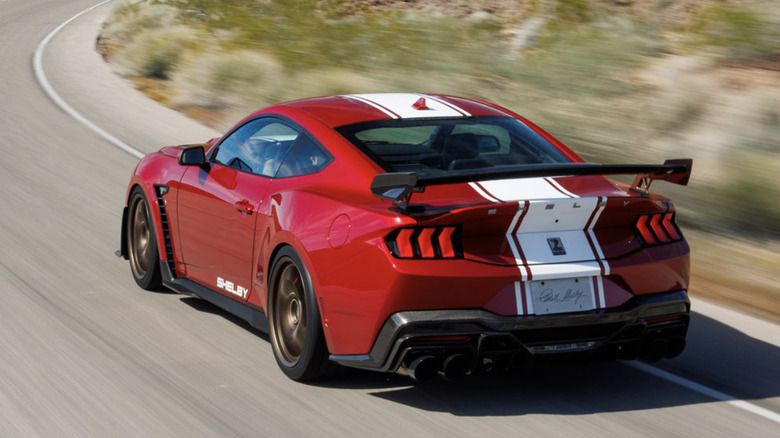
(509, 251)
(503, 284)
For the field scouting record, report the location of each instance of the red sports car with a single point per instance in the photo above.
(413, 232)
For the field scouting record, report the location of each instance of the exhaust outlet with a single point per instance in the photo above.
(654, 350)
(423, 368)
(676, 346)
(455, 366)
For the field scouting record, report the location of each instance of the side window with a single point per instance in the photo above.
(258, 146)
(305, 157)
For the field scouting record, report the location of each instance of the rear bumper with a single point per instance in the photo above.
(652, 326)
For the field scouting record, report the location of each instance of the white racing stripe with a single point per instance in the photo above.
(549, 212)
(478, 188)
(560, 188)
(364, 99)
(517, 189)
(709, 392)
(400, 105)
(597, 248)
(462, 112)
(600, 291)
(519, 297)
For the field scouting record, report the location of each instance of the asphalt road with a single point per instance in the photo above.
(85, 353)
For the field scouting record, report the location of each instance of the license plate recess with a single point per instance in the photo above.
(562, 295)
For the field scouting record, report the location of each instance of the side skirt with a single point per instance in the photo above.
(254, 317)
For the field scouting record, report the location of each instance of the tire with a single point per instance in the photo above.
(142, 243)
(295, 329)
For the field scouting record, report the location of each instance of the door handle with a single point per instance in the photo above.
(245, 207)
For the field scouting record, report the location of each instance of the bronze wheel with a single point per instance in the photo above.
(290, 312)
(141, 244)
(139, 239)
(295, 328)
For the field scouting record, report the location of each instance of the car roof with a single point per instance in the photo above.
(355, 108)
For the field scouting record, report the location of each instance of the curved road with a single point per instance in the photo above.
(85, 353)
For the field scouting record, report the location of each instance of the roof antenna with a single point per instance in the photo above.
(420, 104)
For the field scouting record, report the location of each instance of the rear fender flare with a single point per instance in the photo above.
(298, 248)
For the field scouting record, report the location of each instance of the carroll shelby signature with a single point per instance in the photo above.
(550, 296)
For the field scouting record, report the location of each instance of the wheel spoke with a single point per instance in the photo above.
(290, 314)
(139, 239)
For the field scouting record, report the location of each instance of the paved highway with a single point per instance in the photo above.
(85, 353)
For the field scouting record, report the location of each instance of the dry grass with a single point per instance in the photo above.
(736, 273)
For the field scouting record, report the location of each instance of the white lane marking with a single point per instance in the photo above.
(756, 328)
(701, 389)
(60, 102)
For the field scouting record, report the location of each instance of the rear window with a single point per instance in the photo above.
(436, 147)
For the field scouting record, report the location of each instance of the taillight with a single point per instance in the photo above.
(657, 228)
(425, 243)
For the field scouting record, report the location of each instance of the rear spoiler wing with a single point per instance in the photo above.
(398, 186)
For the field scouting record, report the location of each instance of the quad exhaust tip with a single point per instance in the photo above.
(455, 366)
(452, 367)
(654, 350)
(676, 346)
(659, 348)
(423, 368)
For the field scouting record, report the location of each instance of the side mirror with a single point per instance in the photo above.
(192, 156)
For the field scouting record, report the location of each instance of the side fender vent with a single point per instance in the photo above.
(160, 191)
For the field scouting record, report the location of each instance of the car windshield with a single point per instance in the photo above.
(438, 147)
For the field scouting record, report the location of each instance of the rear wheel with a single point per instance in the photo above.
(295, 328)
(141, 243)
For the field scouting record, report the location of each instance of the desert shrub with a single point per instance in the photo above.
(221, 80)
(155, 53)
(129, 20)
(741, 33)
(748, 197)
(574, 11)
(585, 61)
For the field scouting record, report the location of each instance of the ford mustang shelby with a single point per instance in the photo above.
(415, 233)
